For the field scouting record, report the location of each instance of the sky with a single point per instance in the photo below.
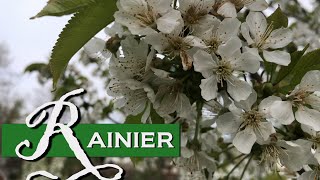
(28, 41)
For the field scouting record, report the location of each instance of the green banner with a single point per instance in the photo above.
(99, 140)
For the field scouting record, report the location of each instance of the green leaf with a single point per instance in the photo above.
(278, 19)
(285, 70)
(62, 7)
(134, 119)
(310, 61)
(80, 29)
(155, 117)
(36, 67)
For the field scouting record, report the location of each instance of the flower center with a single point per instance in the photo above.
(223, 70)
(299, 98)
(177, 44)
(194, 14)
(252, 118)
(147, 18)
(213, 45)
(270, 155)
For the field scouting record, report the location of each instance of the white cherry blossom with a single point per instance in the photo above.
(247, 122)
(220, 33)
(196, 14)
(216, 71)
(291, 154)
(262, 37)
(303, 98)
(176, 44)
(147, 16)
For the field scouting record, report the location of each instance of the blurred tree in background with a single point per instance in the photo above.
(10, 111)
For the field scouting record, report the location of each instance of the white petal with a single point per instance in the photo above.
(279, 38)
(208, 34)
(135, 104)
(295, 154)
(146, 114)
(264, 131)
(230, 47)
(194, 41)
(257, 23)
(228, 10)
(235, 109)
(309, 175)
(158, 41)
(209, 88)
(204, 24)
(282, 112)
(248, 103)
(169, 22)
(265, 105)
(203, 62)
(314, 101)
(244, 140)
(247, 62)
(228, 28)
(161, 7)
(246, 33)
(133, 24)
(253, 51)
(94, 47)
(228, 123)
(258, 5)
(309, 117)
(309, 130)
(134, 6)
(277, 57)
(184, 109)
(186, 152)
(317, 154)
(311, 81)
(238, 89)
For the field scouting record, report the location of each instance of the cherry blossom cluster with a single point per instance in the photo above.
(201, 63)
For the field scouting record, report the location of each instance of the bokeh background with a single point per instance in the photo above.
(25, 81)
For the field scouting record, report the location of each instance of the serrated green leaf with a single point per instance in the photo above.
(310, 61)
(62, 7)
(278, 19)
(285, 70)
(80, 29)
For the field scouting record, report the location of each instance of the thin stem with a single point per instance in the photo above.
(272, 72)
(232, 160)
(175, 120)
(226, 149)
(199, 116)
(245, 168)
(235, 167)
